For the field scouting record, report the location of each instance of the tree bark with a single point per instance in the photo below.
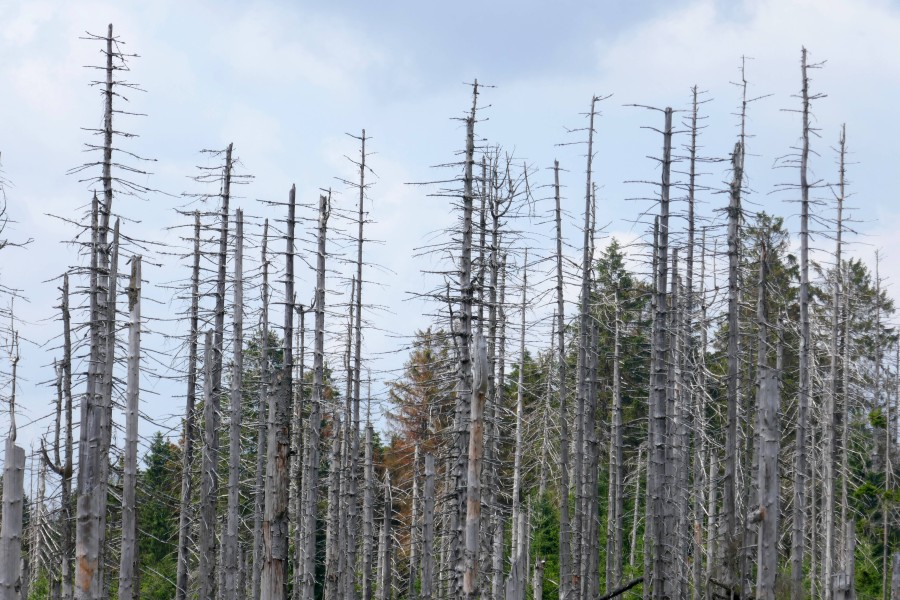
(385, 577)
(209, 476)
(11, 525)
(187, 456)
(273, 584)
(230, 536)
(428, 531)
(262, 443)
(128, 589)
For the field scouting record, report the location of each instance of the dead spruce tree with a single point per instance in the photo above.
(188, 432)
(209, 475)
(311, 447)
(230, 548)
(13, 497)
(275, 513)
(262, 423)
(128, 559)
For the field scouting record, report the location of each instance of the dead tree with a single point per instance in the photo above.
(386, 543)
(368, 518)
(427, 575)
(273, 585)
(262, 421)
(464, 385)
(230, 535)
(13, 498)
(480, 369)
(769, 431)
(798, 533)
(128, 590)
(64, 468)
(311, 447)
(209, 476)
(833, 416)
(187, 456)
(565, 573)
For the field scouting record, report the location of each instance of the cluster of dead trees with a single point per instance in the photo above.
(673, 436)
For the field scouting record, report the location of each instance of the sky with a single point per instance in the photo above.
(285, 82)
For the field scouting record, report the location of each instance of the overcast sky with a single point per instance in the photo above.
(285, 81)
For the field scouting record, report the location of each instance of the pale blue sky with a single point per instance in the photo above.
(284, 81)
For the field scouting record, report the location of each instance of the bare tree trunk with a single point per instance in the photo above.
(663, 560)
(637, 508)
(296, 464)
(187, 456)
(368, 517)
(498, 532)
(833, 415)
(209, 477)
(11, 526)
(537, 584)
(545, 417)
(273, 583)
(464, 385)
(128, 560)
(332, 523)
(800, 463)
(614, 514)
(517, 508)
(230, 537)
(386, 574)
(729, 508)
(769, 431)
(262, 424)
(480, 369)
(428, 531)
(311, 448)
(565, 572)
(88, 520)
(353, 505)
(411, 592)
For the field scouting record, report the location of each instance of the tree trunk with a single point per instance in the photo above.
(386, 574)
(128, 559)
(615, 499)
(11, 526)
(800, 463)
(230, 536)
(311, 448)
(273, 583)
(332, 523)
(368, 518)
(187, 456)
(480, 368)
(209, 477)
(262, 443)
(428, 531)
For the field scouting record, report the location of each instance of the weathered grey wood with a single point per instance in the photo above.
(262, 425)
(385, 577)
(844, 587)
(663, 580)
(209, 478)
(88, 584)
(833, 415)
(274, 581)
(231, 566)
(311, 447)
(615, 499)
(895, 576)
(353, 519)
(480, 370)
(768, 407)
(729, 494)
(297, 463)
(368, 518)
(128, 589)
(414, 528)
(537, 583)
(517, 492)
(332, 522)
(565, 574)
(464, 370)
(187, 456)
(798, 532)
(11, 525)
(427, 575)
(497, 525)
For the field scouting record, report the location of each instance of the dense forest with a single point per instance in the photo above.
(708, 412)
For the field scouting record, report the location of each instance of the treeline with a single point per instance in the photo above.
(711, 412)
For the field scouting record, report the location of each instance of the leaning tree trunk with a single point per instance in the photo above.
(128, 590)
(273, 584)
(187, 451)
(230, 536)
(798, 534)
